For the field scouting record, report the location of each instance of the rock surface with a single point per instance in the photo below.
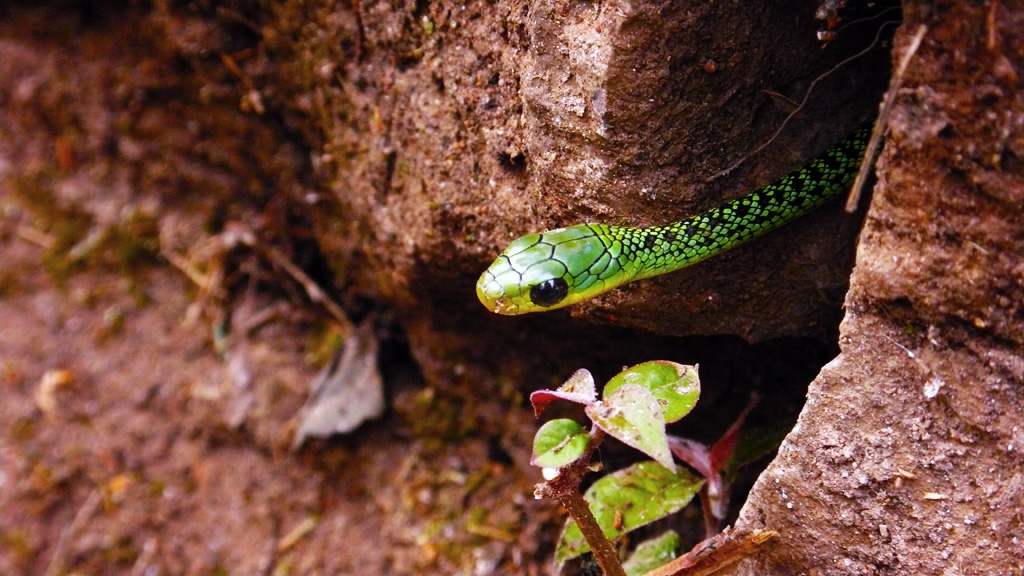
(520, 118)
(907, 458)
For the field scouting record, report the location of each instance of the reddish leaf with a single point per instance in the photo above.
(579, 388)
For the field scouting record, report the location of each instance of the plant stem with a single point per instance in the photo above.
(604, 551)
(566, 489)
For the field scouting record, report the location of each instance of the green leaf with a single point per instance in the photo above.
(629, 499)
(676, 386)
(559, 442)
(634, 416)
(653, 553)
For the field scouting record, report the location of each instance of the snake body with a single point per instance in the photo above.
(561, 267)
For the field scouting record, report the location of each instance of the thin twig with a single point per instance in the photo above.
(852, 23)
(715, 553)
(202, 281)
(312, 289)
(883, 120)
(806, 98)
(211, 283)
(238, 17)
(36, 236)
(87, 509)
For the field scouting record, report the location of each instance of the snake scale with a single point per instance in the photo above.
(560, 267)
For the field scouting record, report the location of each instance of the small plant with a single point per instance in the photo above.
(720, 463)
(636, 405)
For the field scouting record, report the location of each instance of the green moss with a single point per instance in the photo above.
(78, 242)
(324, 339)
(122, 552)
(17, 541)
(438, 419)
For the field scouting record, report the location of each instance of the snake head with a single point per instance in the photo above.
(550, 270)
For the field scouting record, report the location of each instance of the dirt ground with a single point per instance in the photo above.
(131, 447)
(136, 437)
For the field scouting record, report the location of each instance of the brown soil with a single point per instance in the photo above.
(148, 408)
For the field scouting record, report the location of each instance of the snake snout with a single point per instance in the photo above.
(491, 294)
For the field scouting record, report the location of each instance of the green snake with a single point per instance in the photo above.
(560, 267)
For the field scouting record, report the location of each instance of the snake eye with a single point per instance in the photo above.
(549, 292)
